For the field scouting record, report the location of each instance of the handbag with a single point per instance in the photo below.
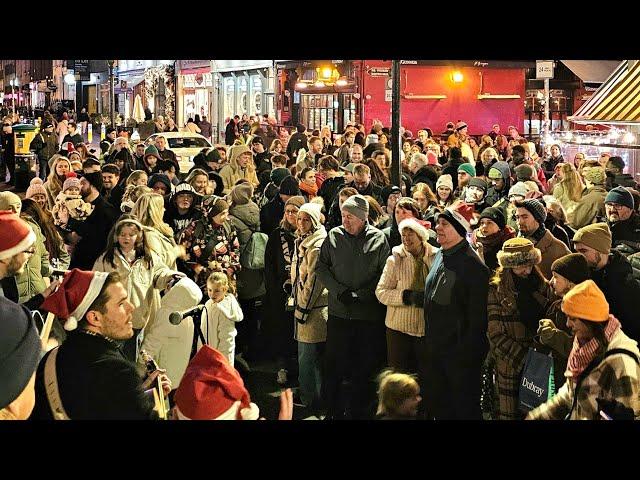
(537, 383)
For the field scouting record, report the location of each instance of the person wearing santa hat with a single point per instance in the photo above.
(88, 377)
(17, 244)
(211, 389)
(455, 315)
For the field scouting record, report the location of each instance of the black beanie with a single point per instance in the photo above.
(20, 349)
(573, 267)
(495, 215)
(289, 186)
(95, 179)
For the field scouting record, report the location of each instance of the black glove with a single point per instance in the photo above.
(346, 298)
(413, 297)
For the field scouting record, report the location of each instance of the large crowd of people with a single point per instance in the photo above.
(422, 300)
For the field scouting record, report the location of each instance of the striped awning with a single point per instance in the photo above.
(617, 101)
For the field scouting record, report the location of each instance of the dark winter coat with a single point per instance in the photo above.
(230, 133)
(625, 235)
(296, 142)
(329, 190)
(427, 175)
(93, 231)
(271, 214)
(549, 165)
(354, 263)
(622, 292)
(455, 304)
(75, 139)
(451, 168)
(96, 382)
(45, 145)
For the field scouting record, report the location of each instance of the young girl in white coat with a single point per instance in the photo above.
(219, 316)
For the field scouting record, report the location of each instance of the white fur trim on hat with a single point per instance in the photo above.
(412, 224)
(252, 412)
(21, 246)
(92, 293)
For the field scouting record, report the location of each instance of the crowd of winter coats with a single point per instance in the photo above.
(332, 305)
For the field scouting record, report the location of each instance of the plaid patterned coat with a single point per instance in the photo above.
(509, 342)
(615, 378)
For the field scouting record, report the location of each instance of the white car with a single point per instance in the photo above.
(185, 145)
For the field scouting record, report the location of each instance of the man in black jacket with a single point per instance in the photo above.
(231, 131)
(8, 150)
(110, 136)
(623, 221)
(271, 214)
(451, 167)
(73, 136)
(261, 158)
(333, 182)
(455, 314)
(297, 141)
(613, 274)
(93, 378)
(94, 230)
(615, 176)
(351, 261)
(421, 172)
(45, 145)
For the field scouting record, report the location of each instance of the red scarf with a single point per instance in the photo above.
(310, 191)
(581, 356)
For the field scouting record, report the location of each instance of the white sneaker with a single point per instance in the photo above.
(282, 376)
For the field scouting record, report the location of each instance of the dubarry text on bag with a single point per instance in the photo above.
(536, 384)
(252, 257)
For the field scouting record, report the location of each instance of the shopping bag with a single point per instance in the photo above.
(536, 384)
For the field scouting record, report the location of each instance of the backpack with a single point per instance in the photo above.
(252, 256)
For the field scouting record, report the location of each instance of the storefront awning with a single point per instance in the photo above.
(237, 65)
(592, 71)
(617, 101)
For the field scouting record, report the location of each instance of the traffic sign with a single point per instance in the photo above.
(544, 69)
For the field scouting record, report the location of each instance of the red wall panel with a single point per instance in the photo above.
(461, 102)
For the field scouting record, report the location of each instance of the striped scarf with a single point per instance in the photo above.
(581, 356)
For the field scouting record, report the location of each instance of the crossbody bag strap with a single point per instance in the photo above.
(51, 386)
(593, 364)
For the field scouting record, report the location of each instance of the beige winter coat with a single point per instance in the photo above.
(232, 172)
(311, 296)
(142, 282)
(396, 277)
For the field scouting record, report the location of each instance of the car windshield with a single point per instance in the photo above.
(188, 142)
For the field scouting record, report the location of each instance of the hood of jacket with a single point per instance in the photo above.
(234, 152)
(249, 214)
(315, 239)
(185, 294)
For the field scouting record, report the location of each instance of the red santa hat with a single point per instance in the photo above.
(74, 296)
(15, 235)
(459, 216)
(211, 389)
(68, 147)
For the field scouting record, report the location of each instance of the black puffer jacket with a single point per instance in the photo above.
(622, 291)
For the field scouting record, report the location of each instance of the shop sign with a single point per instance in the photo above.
(198, 80)
(379, 71)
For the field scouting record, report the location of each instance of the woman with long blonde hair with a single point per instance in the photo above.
(569, 189)
(53, 186)
(149, 210)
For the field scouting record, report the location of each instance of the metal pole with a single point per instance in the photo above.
(396, 166)
(546, 107)
(112, 95)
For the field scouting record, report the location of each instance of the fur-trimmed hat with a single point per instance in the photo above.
(518, 252)
(415, 225)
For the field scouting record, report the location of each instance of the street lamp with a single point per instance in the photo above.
(112, 94)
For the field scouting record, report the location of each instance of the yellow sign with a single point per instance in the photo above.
(89, 133)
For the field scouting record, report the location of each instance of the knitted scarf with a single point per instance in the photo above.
(310, 191)
(582, 355)
(420, 271)
(496, 239)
